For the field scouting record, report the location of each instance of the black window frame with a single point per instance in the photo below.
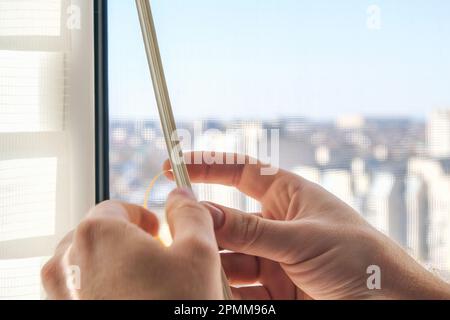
(102, 191)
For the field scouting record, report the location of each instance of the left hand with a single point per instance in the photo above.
(118, 258)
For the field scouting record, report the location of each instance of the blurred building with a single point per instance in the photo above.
(350, 122)
(417, 219)
(361, 181)
(242, 139)
(339, 182)
(429, 209)
(394, 171)
(439, 134)
(385, 206)
(439, 232)
(308, 172)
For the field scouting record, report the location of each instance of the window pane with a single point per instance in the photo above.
(354, 90)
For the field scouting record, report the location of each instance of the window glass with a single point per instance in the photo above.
(358, 93)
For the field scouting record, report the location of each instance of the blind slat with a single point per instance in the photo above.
(30, 17)
(31, 91)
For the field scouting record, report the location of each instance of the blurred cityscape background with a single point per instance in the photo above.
(394, 171)
(298, 66)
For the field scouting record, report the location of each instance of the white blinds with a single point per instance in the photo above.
(28, 197)
(46, 134)
(19, 279)
(31, 91)
(30, 17)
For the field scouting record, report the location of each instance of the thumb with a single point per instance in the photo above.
(251, 234)
(188, 219)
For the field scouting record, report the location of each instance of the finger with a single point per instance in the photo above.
(187, 218)
(53, 272)
(134, 214)
(275, 280)
(241, 269)
(256, 236)
(244, 173)
(251, 293)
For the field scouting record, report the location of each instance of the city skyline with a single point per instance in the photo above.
(361, 108)
(394, 173)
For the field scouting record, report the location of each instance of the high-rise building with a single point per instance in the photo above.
(360, 183)
(417, 219)
(339, 182)
(439, 134)
(350, 122)
(241, 139)
(435, 173)
(385, 206)
(439, 230)
(308, 172)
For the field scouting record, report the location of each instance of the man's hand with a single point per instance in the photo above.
(118, 257)
(305, 243)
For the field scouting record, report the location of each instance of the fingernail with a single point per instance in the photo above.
(186, 192)
(217, 215)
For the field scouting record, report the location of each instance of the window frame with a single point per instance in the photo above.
(102, 191)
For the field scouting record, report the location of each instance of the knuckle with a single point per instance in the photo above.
(99, 234)
(248, 229)
(192, 206)
(189, 209)
(51, 271)
(88, 231)
(107, 204)
(184, 205)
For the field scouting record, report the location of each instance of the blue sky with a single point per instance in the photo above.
(270, 58)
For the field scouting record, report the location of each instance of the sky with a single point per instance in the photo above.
(263, 59)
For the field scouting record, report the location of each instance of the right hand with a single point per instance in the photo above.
(306, 243)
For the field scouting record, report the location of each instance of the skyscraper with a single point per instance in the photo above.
(385, 206)
(439, 134)
(242, 139)
(435, 174)
(439, 235)
(417, 219)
